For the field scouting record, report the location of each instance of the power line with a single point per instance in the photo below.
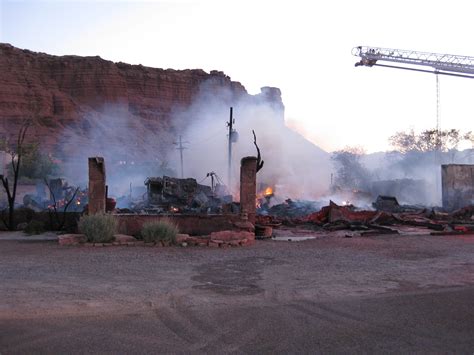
(215, 134)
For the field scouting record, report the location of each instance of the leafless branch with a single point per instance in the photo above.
(16, 155)
(60, 221)
(260, 162)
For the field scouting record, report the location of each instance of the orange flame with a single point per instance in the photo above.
(268, 191)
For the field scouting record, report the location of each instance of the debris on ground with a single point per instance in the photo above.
(289, 208)
(388, 218)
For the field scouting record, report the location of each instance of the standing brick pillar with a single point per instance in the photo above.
(457, 181)
(96, 185)
(248, 187)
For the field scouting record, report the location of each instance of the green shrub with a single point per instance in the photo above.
(98, 228)
(35, 227)
(163, 230)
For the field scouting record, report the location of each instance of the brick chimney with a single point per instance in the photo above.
(248, 187)
(97, 189)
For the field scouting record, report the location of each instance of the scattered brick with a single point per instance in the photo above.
(124, 239)
(72, 239)
(231, 235)
(221, 239)
(245, 226)
(263, 231)
(213, 245)
(181, 238)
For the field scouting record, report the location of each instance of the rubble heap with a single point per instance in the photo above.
(334, 217)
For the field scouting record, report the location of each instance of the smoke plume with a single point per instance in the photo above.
(134, 148)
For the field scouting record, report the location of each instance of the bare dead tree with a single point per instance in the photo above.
(60, 218)
(260, 162)
(16, 156)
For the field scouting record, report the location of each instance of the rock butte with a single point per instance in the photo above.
(58, 92)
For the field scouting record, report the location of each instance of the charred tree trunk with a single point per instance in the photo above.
(60, 219)
(260, 162)
(16, 156)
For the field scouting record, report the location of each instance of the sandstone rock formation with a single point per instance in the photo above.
(72, 92)
(132, 114)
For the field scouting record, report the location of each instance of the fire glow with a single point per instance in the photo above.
(268, 191)
(264, 196)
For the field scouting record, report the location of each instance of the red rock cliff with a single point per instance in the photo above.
(57, 92)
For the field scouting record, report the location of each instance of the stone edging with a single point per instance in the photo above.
(220, 239)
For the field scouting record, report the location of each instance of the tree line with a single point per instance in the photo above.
(410, 150)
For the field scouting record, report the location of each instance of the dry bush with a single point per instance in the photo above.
(98, 228)
(35, 227)
(163, 230)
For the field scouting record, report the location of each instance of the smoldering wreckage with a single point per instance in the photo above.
(185, 198)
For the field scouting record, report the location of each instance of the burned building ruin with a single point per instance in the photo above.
(168, 194)
(457, 185)
(195, 208)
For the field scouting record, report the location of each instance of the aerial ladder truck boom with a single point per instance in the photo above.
(446, 64)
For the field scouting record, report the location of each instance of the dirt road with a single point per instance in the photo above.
(378, 294)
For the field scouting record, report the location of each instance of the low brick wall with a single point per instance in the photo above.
(220, 239)
(131, 224)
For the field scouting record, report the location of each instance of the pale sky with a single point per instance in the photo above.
(302, 47)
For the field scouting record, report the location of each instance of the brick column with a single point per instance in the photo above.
(457, 181)
(96, 185)
(248, 187)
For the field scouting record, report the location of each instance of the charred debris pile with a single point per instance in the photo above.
(163, 195)
(385, 214)
(387, 217)
(56, 194)
(173, 195)
(169, 195)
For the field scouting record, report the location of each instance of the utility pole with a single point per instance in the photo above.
(232, 138)
(181, 148)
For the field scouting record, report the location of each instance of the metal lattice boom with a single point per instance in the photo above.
(441, 63)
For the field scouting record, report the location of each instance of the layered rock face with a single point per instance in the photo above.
(65, 94)
(131, 115)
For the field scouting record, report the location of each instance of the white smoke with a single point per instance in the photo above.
(135, 149)
(296, 167)
(132, 147)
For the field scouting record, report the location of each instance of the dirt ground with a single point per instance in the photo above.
(390, 294)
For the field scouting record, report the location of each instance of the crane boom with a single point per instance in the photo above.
(447, 64)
